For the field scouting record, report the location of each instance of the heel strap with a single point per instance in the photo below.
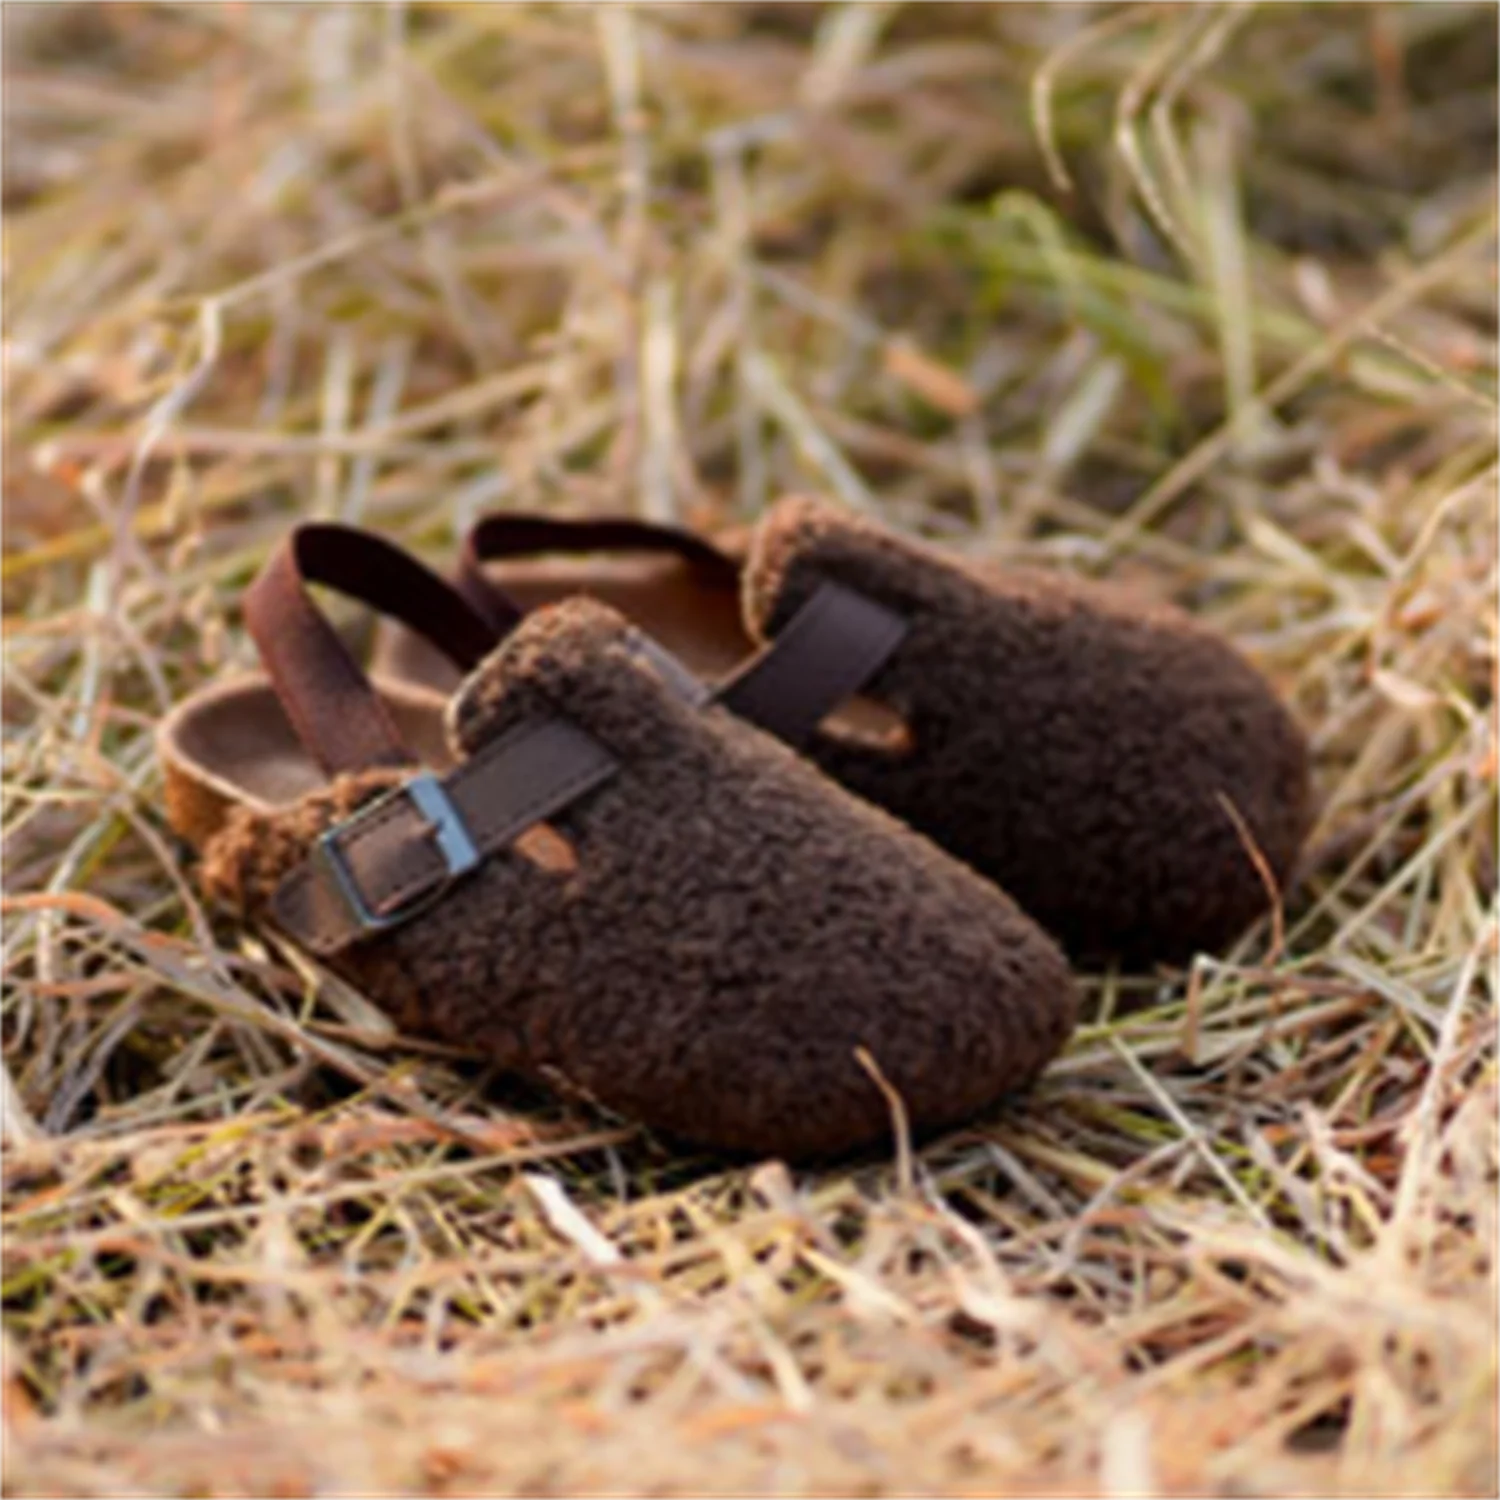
(337, 714)
(507, 536)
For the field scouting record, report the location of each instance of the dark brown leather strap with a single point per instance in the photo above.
(830, 649)
(338, 716)
(397, 855)
(501, 536)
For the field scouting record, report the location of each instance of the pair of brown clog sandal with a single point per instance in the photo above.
(617, 806)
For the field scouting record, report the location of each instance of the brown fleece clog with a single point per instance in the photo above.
(1123, 773)
(581, 865)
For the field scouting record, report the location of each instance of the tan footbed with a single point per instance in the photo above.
(698, 619)
(232, 745)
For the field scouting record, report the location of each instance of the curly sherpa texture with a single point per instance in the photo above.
(1070, 742)
(734, 928)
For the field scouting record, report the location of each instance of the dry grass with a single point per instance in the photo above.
(1204, 298)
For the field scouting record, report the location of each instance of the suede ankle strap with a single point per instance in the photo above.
(338, 715)
(508, 536)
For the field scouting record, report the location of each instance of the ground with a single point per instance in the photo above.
(1199, 299)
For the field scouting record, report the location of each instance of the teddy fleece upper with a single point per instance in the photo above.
(1102, 759)
(723, 931)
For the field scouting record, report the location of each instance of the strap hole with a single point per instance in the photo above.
(547, 849)
(871, 725)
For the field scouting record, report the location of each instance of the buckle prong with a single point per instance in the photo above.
(451, 835)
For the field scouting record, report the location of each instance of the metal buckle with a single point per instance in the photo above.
(460, 853)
